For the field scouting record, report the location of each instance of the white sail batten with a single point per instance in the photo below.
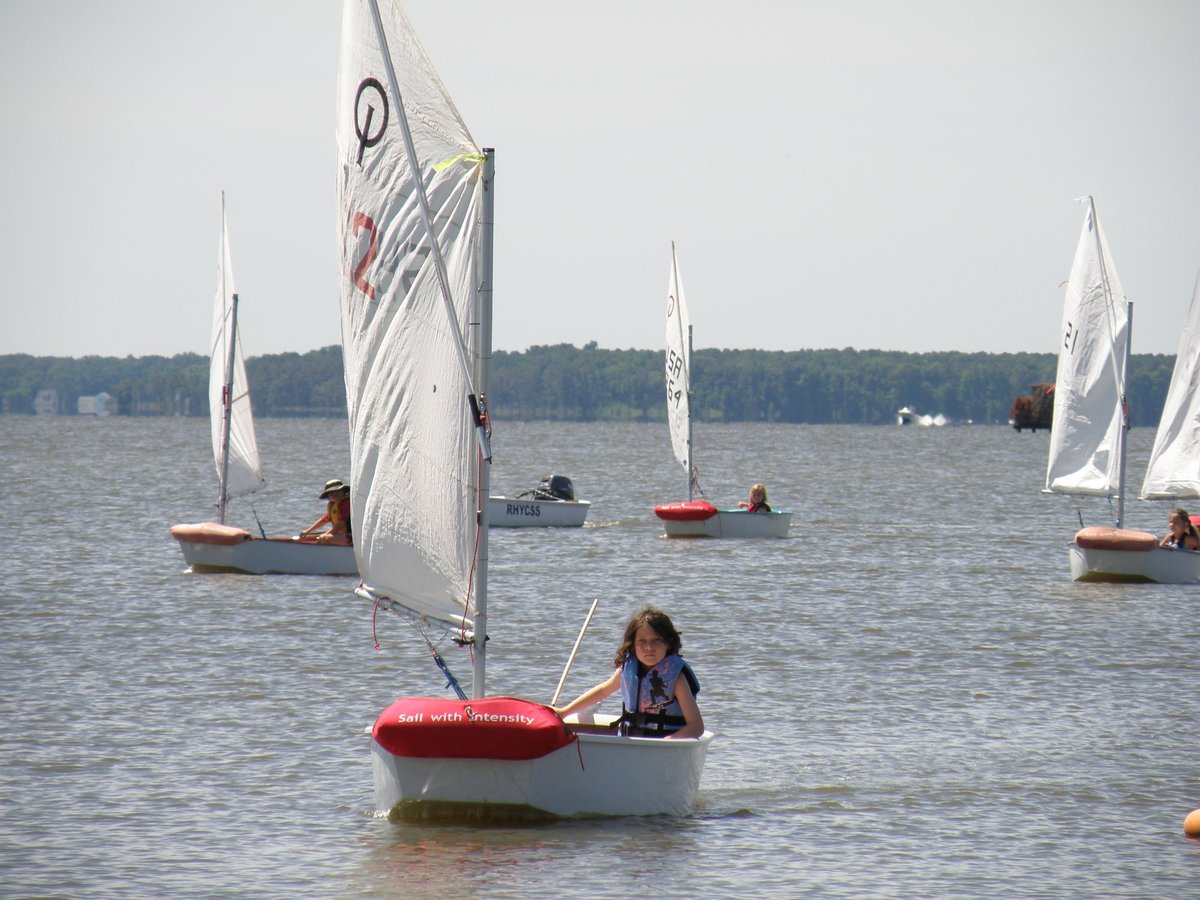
(1089, 414)
(1174, 469)
(414, 487)
(678, 368)
(239, 469)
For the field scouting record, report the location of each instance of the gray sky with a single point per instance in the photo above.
(895, 175)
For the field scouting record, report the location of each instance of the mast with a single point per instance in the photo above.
(227, 402)
(482, 374)
(691, 470)
(1119, 378)
(1122, 437)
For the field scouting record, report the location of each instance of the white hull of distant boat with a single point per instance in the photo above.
(597, 774)
(698, 518)
(522, 512)
(1157, 565)
(692, 520)
(210, 547)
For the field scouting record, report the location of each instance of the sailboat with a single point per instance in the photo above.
(216, 546)
(1090, 423)
(415, 198)
(698, 518)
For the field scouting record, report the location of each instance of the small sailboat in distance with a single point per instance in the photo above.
(415, 199)
(216, 546)
(1090, 423)
(698, 518)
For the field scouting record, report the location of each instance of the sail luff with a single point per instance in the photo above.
(227, 409)
(1173, 472)
(1085, 438)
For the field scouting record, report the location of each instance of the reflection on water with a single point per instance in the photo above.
(910, 698)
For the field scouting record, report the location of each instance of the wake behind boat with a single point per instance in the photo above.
(698, 518)
(1090, 422)
(216, 546)
(415, 197)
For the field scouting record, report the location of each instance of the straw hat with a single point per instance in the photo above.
(332, 487)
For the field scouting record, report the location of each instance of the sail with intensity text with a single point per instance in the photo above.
(678, 368)
(1086, 437)
(235, 451)
(413, 459)
(1174, 469)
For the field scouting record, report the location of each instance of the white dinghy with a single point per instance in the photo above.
(1088, 432)
(216, 546)
(415, 197)
(692, 517)
(551, 504)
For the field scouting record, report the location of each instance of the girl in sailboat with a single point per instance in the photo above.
(1183, 534)
(758, 500)
(337, 514)
(658, 689)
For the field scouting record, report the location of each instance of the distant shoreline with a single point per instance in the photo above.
(564, 382)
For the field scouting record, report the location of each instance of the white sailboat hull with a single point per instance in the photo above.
(732, 523)
(213, 548)
(513, 512)
(1159, 565)
(599, 775)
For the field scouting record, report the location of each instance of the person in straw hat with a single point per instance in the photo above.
(337, 514)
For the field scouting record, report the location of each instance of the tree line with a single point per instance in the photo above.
(588, 383)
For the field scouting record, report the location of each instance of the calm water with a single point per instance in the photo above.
(910, 697)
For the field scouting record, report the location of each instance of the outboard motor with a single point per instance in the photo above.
(557, 486)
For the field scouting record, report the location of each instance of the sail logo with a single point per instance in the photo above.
(362, 123)
(418, 718)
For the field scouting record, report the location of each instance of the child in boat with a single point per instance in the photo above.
(337, 514)
(658, 689)
(1183, 534)
(758, 500)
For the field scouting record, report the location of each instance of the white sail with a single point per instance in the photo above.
(1174, 469)
(227, 384)
(1089, 417)
(412, 453)
(678, 367)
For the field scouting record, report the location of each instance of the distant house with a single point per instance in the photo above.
(46, 402)
(98, 405)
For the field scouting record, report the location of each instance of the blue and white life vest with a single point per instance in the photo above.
(649, 707)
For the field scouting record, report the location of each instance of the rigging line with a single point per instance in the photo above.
(451, 681)
(257, 521)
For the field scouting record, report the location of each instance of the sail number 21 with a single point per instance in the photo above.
(1070, 337)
